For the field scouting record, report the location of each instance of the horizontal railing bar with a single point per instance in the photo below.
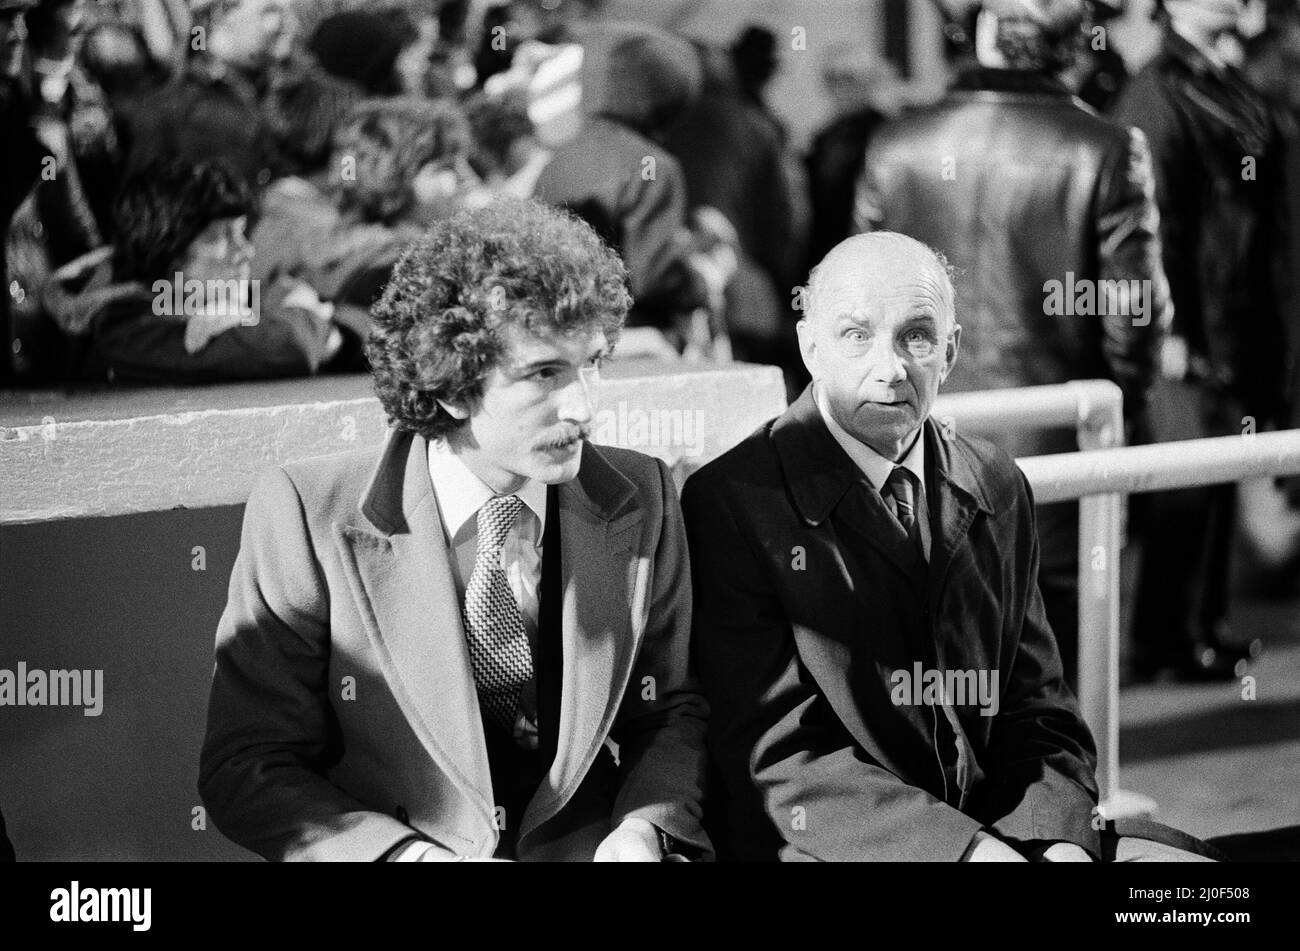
(1174, 465)
(1049, 406)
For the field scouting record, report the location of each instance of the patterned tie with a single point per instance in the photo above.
(498, 647)
(900, 487)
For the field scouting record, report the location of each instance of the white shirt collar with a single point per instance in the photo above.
(872, 464)
(461, 493)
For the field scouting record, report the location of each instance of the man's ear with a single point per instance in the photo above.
(950, 351)
(807, 345)
(454, 410)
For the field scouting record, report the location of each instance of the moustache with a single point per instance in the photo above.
(566, 436)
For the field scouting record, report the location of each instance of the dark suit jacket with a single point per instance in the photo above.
(806, 602)
(343, 716)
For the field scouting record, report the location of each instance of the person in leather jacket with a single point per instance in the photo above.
(1047, 212)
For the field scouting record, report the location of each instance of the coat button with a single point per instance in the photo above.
(401, 814)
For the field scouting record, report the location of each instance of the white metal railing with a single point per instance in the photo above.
(1095, 476)
(1093, 408)
(1100, 476)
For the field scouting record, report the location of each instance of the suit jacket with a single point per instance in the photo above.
(808, 597)
(343, 715)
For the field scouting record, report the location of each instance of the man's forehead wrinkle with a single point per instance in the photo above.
(880, 269)
(839, 299)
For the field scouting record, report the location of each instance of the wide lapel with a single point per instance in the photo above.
(863, 510)
(599, 532)
(397, 563)
(956, 496)
(822, 479)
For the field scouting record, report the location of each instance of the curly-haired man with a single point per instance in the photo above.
(488, 655)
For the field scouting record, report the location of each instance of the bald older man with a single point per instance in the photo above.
(868, 625)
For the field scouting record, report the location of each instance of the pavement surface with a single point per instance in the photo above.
(1221, 759)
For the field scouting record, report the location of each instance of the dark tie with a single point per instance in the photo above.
(498, 646)
(901, 487)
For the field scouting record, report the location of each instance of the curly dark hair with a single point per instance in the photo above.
(435, 332)
(164, 206)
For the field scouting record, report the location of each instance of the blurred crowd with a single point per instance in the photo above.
(207, 191)
(217, 190)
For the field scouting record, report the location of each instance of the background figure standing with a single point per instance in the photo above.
(1221, 196)
(856, 84)
(617, 176)
(1273, 67)
(734, 159)
(733, 151)
(1099, 73)
(1020, 186)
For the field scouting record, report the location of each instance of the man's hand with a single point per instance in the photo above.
(990, 849)
(635, 840)
(1065, 852)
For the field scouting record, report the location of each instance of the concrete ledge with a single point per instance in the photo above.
(118, 452)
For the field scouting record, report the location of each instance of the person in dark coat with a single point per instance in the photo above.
(854, 83)
(617, 177)
(733, 153)
(1049, 210)
(1220, 187)
(849, 556)
(1273, 65)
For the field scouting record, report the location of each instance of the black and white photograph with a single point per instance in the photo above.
(725, 432)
